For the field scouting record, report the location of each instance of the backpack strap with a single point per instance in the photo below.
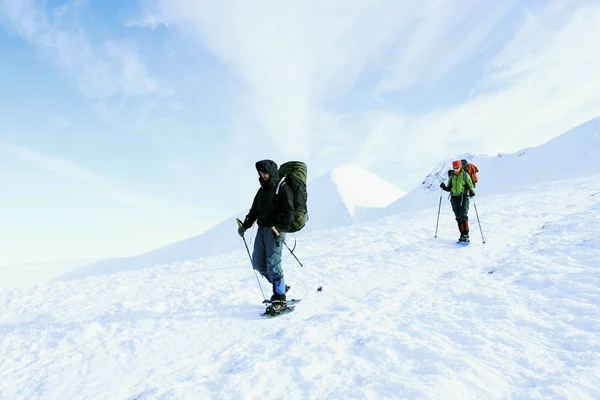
(279, 185)
(281, 182)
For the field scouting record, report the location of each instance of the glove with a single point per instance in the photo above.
(471, 193)
(241, 230)
(443, 185)
(279, 238)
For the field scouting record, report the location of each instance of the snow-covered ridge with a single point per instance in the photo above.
(335, 199)
(360, 188)
(400, 315)
(348, 195)
(570, 155)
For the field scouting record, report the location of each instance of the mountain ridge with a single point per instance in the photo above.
(333, 201)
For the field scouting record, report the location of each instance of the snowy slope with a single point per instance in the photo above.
(401, 315)
(23, 275)
(334, 199)
(219, 239)
(350, 194)
(359, 188)
(573, 154)
(340, 196)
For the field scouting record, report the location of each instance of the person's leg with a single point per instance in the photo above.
(464, 217)
(273, 249)
(259, 254)
(456, 204)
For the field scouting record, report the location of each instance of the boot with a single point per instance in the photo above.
(279, 289)
(465, 236)
(465, 232)
(460, 229)
(278, 297)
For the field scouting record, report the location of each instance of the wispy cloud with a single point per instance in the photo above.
(289, 55)
(541, 83)
(297, 59)
(101, 69)
(69, 169)
(437, 37)
(545, 82)
(382, 82)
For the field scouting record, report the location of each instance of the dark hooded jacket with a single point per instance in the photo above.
(268, 208)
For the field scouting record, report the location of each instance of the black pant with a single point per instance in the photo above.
(460, 206)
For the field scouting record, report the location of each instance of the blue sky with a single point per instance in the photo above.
(125, 126)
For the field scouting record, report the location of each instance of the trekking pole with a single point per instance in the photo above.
(248, 250)
(286, 245)
(438, 217)
(293, 254)
(478, 222)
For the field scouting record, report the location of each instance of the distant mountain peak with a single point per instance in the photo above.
(360, 188)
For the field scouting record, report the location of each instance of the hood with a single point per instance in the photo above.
(269, 166)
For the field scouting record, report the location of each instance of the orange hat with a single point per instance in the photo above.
(456, 163)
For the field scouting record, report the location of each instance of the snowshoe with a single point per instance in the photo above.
(277, 308)
(287, 302)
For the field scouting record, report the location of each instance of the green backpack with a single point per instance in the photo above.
(293, 174)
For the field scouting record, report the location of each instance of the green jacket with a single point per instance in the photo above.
(456, 183)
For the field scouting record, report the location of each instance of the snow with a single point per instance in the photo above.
(401, 314)
(336, 198)
(360, 188)
(23, 275)
(574, 153)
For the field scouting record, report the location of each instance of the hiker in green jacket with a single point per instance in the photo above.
(461, 188)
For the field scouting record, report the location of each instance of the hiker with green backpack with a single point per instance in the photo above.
(273, 210)
(461, 188)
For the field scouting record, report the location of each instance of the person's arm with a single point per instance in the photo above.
(447, 186)
(252, 214)
(470, 183)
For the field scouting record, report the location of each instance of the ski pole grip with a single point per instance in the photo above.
(238, 222)
(275, 231)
